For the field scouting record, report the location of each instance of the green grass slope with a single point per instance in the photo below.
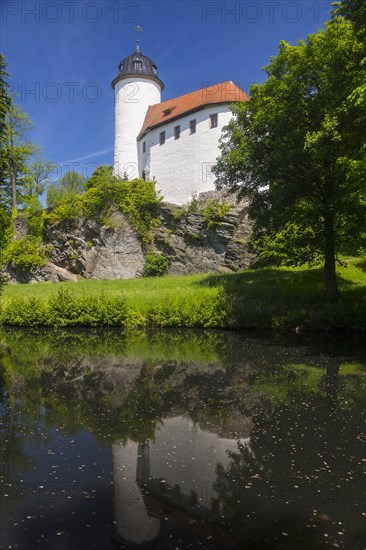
(279, 298)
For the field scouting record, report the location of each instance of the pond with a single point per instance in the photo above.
(181, 439)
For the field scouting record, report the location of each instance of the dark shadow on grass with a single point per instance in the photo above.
(288, 299)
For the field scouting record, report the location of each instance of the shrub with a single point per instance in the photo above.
(214, 212)
(69, 208)
(192, 207)
(27, 312)
(34, 217)
(99, 200)
(68, 309)
(156, 265)
(142, 206)
(26, 253)
(205, 311)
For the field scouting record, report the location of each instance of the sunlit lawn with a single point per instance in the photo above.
(268, 284)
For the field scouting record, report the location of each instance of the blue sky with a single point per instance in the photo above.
(63, 55)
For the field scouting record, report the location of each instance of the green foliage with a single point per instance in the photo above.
(191, 207)
(100, 200)
(294, 245)
(104, 195)
(5, 105)
(64, 195)
(355, 11)
(156, 265)
(204, 311)
(66, 309)
(296, 149)
(17, 153)
(102, 176)
(34, 216)
(141, 205)
(26, 253)
(23, 174)
(24, 312)
(5, 219)
(214, 212)
(38, 177)
(68, 208)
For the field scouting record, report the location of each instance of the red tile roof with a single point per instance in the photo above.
(226, 92)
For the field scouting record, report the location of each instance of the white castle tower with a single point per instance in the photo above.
(136, 87)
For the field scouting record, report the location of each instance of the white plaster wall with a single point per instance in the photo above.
(132, 99)
(183, 454)
(183, 167)
(132, 522)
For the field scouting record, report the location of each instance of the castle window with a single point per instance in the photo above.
(144, 175)
(213, 121)
(137, 65)
(144, 147)
(162, 138)
(192, 126)
(176, 132)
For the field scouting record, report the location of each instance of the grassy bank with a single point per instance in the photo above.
(265, 298)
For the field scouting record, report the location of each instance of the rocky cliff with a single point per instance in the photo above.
(86, 248)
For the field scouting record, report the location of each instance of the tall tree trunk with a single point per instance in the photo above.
(12, 171)
(330, 278)
(13, 184)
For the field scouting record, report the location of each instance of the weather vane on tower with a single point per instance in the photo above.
(138, 28)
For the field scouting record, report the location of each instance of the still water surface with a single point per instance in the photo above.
(180, 440)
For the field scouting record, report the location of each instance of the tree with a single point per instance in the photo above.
(296, 150)
(39, 176)
(18, 151)
(5, 105)
(102, 176)
(64, 191)
(355, 11)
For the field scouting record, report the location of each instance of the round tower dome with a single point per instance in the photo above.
(138, 65)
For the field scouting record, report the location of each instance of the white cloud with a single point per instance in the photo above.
(91, 155)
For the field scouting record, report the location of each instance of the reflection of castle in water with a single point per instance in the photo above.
(177, 469)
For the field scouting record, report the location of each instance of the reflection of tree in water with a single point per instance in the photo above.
(298, 483)
(18, 418)
(303, 464)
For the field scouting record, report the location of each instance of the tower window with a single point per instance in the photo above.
(192, 126)
(143, 175)
(162, 138)
(213, 121)
(176, 132)
(137, 65)
(144, 147)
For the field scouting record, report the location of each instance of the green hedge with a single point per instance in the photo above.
(68, 309)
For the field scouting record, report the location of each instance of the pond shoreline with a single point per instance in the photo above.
(278, 299)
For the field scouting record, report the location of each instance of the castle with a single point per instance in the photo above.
(174, 142)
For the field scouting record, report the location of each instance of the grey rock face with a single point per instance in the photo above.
(50, 272)
(86, 248)
(193, 247)
(92, 250)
